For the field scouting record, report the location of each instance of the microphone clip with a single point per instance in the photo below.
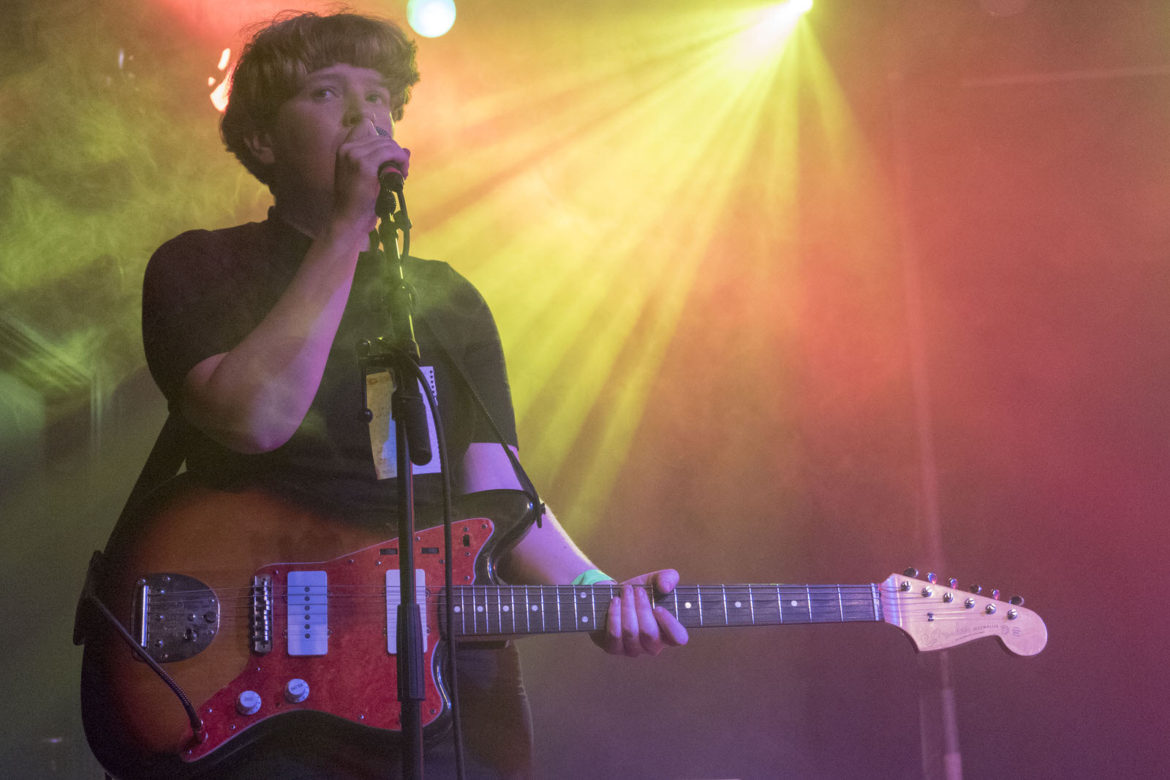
(391, 203)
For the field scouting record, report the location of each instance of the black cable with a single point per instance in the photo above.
(526, 485)
(192, 715)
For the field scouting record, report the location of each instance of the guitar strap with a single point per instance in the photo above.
(526, 485)
(164, 461)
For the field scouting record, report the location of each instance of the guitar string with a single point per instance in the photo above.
(713, 594)
(490, 624)
(855, 601)
(706, 594)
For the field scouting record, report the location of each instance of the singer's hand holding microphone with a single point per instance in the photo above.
(368, 162)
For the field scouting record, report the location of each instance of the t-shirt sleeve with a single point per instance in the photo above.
(484, 360)
(464, 323)
(190, 308)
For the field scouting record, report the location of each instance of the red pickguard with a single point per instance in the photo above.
(135, 723)
(357, 679)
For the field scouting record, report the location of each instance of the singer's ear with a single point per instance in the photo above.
(259, 143)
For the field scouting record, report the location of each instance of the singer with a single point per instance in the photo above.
(250, 333)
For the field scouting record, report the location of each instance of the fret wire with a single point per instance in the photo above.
(527, 619)
(487, 610)
(560, 609)
(593, 603)
(502, 594)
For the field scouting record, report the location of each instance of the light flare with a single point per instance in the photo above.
(602, 196)
(430, 18)
(219, 95)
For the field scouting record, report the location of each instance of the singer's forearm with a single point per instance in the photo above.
(254, 397)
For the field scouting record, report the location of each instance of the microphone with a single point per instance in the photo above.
(389, 176)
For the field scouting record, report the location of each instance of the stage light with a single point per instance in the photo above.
(219, 95)
(768, 31)
(430, 18)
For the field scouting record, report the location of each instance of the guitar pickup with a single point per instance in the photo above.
(308, 613)
(394, 598)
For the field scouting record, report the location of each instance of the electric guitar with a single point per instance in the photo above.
(262, 610)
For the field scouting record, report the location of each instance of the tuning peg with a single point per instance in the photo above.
(976, 589)
(931, 577)
(1017, 600)
(953, 582)
(911, 572)
(995, 594)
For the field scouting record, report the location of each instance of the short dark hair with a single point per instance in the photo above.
(277, 59)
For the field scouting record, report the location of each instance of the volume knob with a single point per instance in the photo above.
(248, 703)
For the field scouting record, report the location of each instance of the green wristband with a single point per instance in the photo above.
(591, 577)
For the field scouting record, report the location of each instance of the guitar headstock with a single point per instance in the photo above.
(937, 615)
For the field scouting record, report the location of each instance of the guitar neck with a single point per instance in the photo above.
(518, 610)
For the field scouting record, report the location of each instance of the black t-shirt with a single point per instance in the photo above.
(204, 291)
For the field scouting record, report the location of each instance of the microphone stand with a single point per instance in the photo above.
(412, 444)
